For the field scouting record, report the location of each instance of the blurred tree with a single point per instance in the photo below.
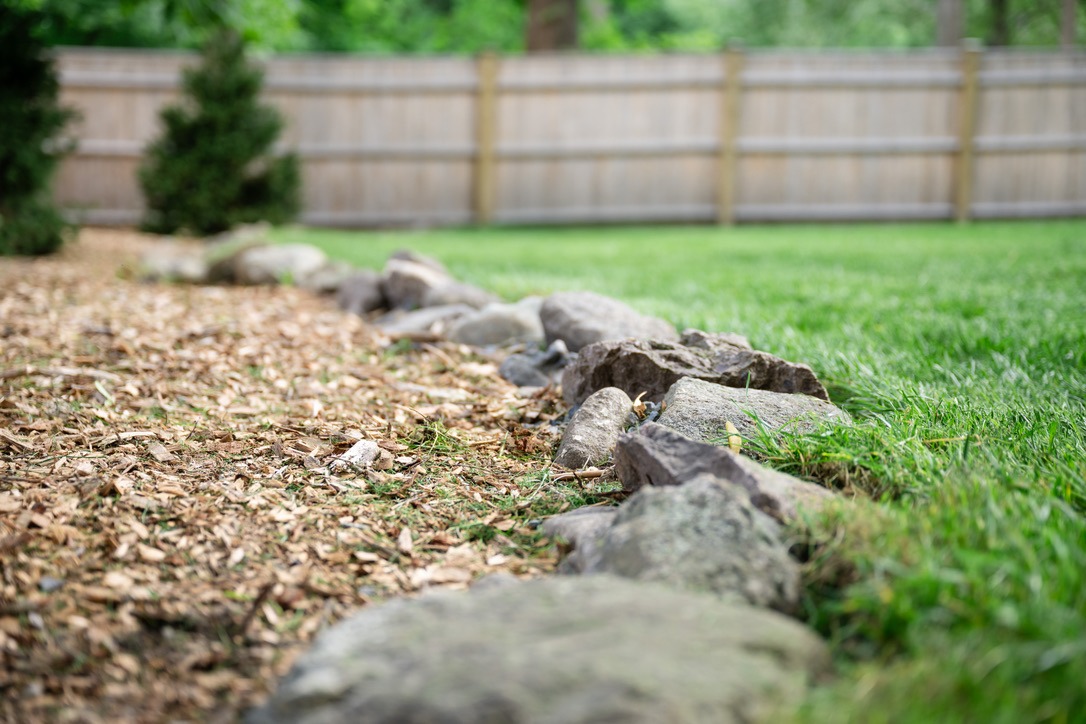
(552, 25)
(31, 123)
(212, 167)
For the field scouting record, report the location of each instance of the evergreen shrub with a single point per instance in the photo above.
(31, 145)
(213, 167)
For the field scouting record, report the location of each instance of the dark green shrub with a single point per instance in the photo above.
(212, 168)
(31, 121)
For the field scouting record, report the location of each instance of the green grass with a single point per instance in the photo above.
(959, 592)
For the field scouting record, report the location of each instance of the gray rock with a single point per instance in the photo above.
(656, 455)
(703, 536)
(454, 292)
(500, 325)
(560, 650)
(328, 278)
(361, 293)
(414, 256)
(432, 320)
(699, 410)
(167, 261)
(713, 340)
(536, 368)
(580, 524)
(277, 263)
(651, 366)
(583, 530)
(405, 283)
(362, 454)
(591, 435)
(244, 235)
(581, 318)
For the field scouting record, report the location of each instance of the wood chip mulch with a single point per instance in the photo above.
(174, 525)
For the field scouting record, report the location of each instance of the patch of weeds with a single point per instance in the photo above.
(398, 348)
(433, 438)
(477, 532)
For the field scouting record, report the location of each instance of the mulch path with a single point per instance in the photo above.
(173, 525)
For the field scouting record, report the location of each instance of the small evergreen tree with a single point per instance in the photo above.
(31, 121)
(212, 167)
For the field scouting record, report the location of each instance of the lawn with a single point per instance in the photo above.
(955, 589)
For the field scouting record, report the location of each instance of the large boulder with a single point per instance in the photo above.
(653, 366)
(657, 455)
(277, 263)
(591, 435)
(560, 650)
(700, 410)
(704, 535)
(581, 318)
(501, 325)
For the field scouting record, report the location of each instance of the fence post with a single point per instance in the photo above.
(963, 184)
(485, 122)
(730, 91)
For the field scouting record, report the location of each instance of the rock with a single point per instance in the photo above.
(405, 283)
(713, 340)
(277, 263)
(591, 435)
(328, 278)
(454, 292)
(702, 536)
(167, 261)
(536, 368)
(361, 293)
(413, 256)
(656, 455)
(432, 320)
(244, 235)
(582, 529)
(650, 366)
(560, 650)
(500, 325)
(581, 318)
(699, 409)
(362, 454)
(580, 524)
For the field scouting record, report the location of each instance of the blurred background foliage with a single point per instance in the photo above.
(468, 26)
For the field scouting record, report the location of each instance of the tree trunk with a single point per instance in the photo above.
(1000, 34)
(552, 25)
(949, 23)
(1068, 24)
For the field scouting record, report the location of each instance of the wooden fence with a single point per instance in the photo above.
(736, 136)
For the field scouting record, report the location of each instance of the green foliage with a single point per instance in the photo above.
(31, 122)
(468, 26)
(212, 167)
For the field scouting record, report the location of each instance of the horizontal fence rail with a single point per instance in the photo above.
(731, 137)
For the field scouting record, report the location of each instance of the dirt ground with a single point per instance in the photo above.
(174, 526)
